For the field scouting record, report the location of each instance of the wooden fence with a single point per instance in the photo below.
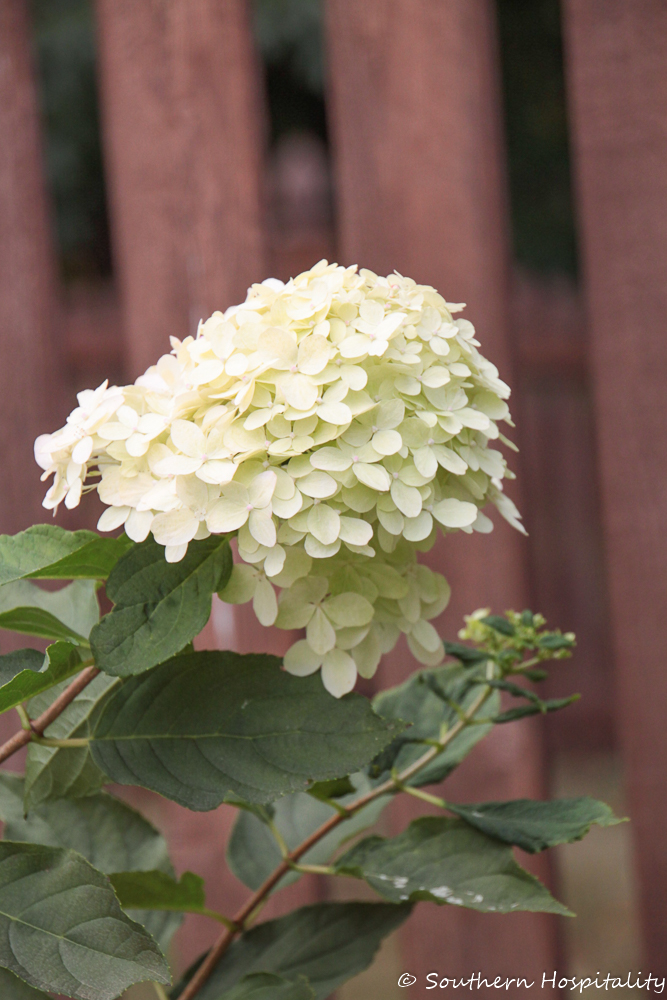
(414, 111)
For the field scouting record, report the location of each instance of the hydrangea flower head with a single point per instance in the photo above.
(335, 424)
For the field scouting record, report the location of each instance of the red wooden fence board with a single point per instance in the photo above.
(617, 53)
(416, 125)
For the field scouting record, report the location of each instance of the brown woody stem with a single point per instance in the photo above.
(389, 787)
(39, 725)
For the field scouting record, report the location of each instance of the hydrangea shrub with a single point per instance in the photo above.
(299, 452)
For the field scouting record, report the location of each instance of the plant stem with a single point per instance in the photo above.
(45, 741)
(160, 990)
(389, 787)
(37, 726)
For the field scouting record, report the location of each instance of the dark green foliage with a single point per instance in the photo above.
(207, 725)
(49, 552)
(159, 606)
(62, 929)
(445, 861)
(328, 943)
(534, 826)
(27, 672)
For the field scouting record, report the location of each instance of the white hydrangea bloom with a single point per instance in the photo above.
(335, 424)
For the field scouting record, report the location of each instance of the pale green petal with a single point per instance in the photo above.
(387, 442)
(355, 531)
(320, 633)
(373, 476)
(454, 513)
(324, 523)
(262, 527)
(407, 498)
(339, 673)
(241, 585)
(418, 528)
(426, 636)
(318, 485)
(367, 655)
(265, 603)
(348, 609)
(301, 660)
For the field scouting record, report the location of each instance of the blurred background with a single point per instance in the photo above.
(158, 157)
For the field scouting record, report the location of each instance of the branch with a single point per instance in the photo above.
(37, 726)
(388, 787)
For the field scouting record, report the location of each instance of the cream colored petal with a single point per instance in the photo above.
(286, 509)
(407, 498)
(339, 673)
(176, 527)
(192, 492)
(277, 348)
(262, 527)
(188, 438)
(112, 518)
(137, 445)
(331, 459)
(299, 392)
(82, 451)
(176, 465)
(355, 346)
(274, 562)
(261, 489)
(335, 413)
(174, 553)
(314, 353)
(216, 472)
(226, 515)
(138, 524)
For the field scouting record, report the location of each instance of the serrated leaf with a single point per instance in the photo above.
(253, 853)
(534, 826)
(446, 861)
(27, 672)
(62, 929)
(69, 613)
(13, 988)
(266, 986)
(108, 833)
(208, 725)
(522, 711)
(415, 702)
(159, 606)
(499, 624)
(49, 552)
(53, 773)
(328, 943)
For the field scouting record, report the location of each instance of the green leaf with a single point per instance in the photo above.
(445, 861)
(69, 613)
(53, 773)
(534, 826)
(415, 702)
(521, 711)
(108, 833)
(266, 986)
(335, 789)
(253, 853)
(158, 891)
(62, 929)
(499, 624)
(159, 606)
(207, 725)
(466, 654)
(51, 553)
(13, 988)
(27, 672)
(553, 640)
(328, 943)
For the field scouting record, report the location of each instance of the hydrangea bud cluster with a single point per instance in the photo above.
(334, 424)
